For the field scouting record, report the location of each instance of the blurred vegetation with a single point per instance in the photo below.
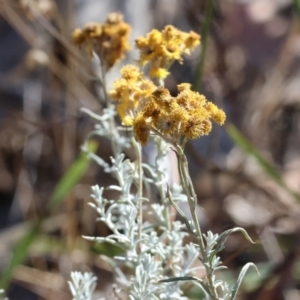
(246, 174)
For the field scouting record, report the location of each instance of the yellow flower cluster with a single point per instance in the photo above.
(188, 115)
(150, 109)
(109, 40)
(131, 91)
(161, 48)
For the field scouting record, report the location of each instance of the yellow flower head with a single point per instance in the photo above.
(141, 128)
(109, 40)
(162, 97)
(131, 92)
(92, 30)
(78, 36)
(188, 115)
(161, 48)
(217, 114)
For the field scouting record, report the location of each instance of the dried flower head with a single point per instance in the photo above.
(109, 40)
(161, 48)
(131, 92)
(188, 115)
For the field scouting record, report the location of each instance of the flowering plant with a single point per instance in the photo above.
(142, 225)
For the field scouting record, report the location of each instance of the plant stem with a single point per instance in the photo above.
(109, 105)
(138, 151)
(160, 157)
(192, 200)
(189, 189)
(162, 192)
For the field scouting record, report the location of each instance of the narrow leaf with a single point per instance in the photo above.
(240, 279)
(226, 233)
(180, 212)
(221, 240)
(188, 278)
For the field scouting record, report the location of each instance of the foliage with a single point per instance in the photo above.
(152, 241)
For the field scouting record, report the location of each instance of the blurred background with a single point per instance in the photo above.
(246, 173)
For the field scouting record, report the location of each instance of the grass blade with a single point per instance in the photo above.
(71, 177)
(63, 187)
(240, 279)
(270, 170)
(297, 7)
(19, 254)
(204, 35)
